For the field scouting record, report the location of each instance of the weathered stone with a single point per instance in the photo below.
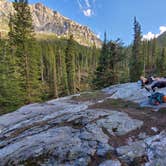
(110, 163)
(55, 141)
(81, 161)
(128, 91)
(48, 128)
(103, 149)
(119, 127)
(129, 152)
(156, 150)
(94, 133)
(142, 135)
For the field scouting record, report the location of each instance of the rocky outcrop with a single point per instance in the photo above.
(76, 131)
(47, 21)
(5, 9)
(62, 132)
(133, 92)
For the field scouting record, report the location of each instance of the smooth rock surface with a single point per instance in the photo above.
(61, 130)
(65, 132)
(156, 150)
(129, 152)
(110, 163)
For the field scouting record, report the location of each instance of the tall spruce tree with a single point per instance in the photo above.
(3, 76)
(106, 73)
(53, 72)
(145, 56)
(136, 61)
(161, 63)
(61, 73)
(25, 59)
(99, 75)
(70, 65)
(115, 57)
(154, 52)
(9, 88)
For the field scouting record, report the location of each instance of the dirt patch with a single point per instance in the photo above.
(96, 160)
(162, 111)
(147, 115)
(36, 161)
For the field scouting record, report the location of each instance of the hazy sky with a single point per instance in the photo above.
(114, 16)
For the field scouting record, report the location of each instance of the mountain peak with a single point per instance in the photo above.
(48, 21)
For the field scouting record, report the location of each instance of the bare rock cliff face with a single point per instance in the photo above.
(5, 9)
(47, 21)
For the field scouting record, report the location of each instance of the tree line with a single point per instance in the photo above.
(118, 63)
(148, 57)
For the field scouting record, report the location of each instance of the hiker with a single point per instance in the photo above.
(151, 83)
(149, 80)
(158, 84)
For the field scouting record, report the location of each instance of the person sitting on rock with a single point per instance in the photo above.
(151, 83)
(149, 80)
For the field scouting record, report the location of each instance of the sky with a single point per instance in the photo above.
(115, 17)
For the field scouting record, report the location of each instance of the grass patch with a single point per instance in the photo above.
(6, 110)
(162, 110)
(45, 36)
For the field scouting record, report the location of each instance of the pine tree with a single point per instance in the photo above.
(161, 63)
(53, 71)
(8, 86)
(145, 56)
(99, 80)
(23, 49)
(107, 72)
(3, 76)
(61, 73)
(154, 56)
(70, 65)
(136, 62)
(78, 72)
(115, 56)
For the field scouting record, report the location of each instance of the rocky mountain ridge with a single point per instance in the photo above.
(161, 40)
(99, 128)
(47, 21)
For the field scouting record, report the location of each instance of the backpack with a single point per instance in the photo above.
(156, 98)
